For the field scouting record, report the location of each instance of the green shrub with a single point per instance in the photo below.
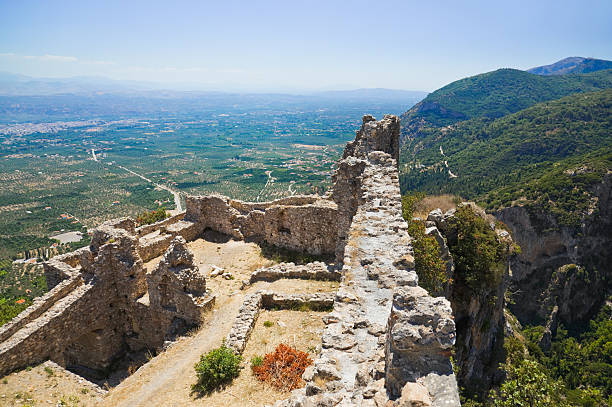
(428, 263)
(478, 254)
(409, 202)
(256, 361)
(49, 371)
(217, 368)
(146, 218)
(527, 384)
(268, 324)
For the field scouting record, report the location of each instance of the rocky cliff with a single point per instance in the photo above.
(477, 292)
(567, 269)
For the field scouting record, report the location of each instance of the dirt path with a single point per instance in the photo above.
(166, 379)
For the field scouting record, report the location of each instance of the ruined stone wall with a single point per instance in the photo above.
(302, 223)
(98, 311)
(387, 342)
(146, 229)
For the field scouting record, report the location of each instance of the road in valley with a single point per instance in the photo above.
(177, 195)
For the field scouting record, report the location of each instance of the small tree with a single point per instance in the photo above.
(217, 368)
(148, 217)
(527, 385)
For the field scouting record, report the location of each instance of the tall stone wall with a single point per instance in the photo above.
(387, 342)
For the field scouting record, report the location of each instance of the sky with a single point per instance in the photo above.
(258, 45)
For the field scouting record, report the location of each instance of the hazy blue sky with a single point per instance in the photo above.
(291, 45)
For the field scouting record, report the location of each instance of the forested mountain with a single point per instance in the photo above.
(572, 65)
(514, 157)
(495, 94)
(535, 150)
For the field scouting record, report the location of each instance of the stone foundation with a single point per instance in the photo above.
(254, 303)
(311, 271)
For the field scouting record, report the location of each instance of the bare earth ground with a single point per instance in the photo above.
(431, 202)
(166, 380)
(47, 384)
(301, 330)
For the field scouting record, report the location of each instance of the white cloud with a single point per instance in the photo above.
(56, 58)
(49, 57)
(231, 70)
(164, 69)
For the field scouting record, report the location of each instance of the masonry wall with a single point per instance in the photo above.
(98, 308)
(303, 223)
(387, 341)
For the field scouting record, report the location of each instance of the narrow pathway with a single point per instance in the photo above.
(268, 182)
(171, 373)
(177, 195)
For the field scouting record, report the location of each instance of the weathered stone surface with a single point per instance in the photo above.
(102, 307)
(374, 247)
(177, 286)
(421, 334)
(153, 245)
(244, 323)
(306, 224)
(414, 395)
(311, 271)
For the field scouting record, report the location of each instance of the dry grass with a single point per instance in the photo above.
(301, 330)
(167, 378)
(431, 202)
(45, 386)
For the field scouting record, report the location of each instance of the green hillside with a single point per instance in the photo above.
(495, 94)
(528, 155)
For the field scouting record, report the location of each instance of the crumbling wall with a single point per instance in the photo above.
(302, 223)
(385, 343)
(146, 229)
(176, 284)
(99, 310)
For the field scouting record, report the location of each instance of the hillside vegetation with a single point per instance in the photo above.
(493, 95)
(547, 155)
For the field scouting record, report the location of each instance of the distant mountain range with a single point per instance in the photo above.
(461, 121)
(572, 65)
(20, 85)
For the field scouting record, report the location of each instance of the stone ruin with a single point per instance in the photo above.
(386, 342)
